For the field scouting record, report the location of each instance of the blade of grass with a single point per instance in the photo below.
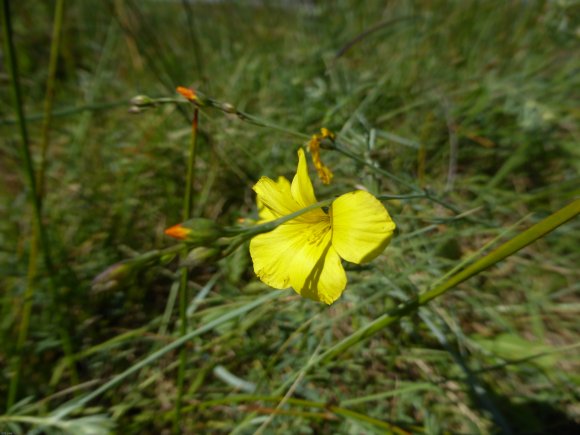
(68, 111)
(477, 388)
(39, 240)
(423, 386)
(74, 404)
(49, 95)
(512, 246)
(337, 410)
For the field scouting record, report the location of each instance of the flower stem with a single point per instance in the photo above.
(337, 146)
(266, 227)
(187, 211)
(49, 95)
(67, 111)
(77, 403)
(509, 248)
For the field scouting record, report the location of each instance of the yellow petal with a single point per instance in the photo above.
(300, 255)
(273, 252)
(302, 189)
(316, 271)
(361, 226)
(264, 212)
(276, 197)
(270, 258)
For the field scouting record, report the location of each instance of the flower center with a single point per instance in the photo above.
(318, 231)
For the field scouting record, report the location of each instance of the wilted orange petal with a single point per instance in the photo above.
(327, 133)
(324, 172)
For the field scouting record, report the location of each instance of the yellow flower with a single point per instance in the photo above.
(305, 253)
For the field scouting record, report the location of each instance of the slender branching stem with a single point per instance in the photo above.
(187, 212)
(205, 102)
(512, 246)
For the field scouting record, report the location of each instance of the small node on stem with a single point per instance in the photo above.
(142, 101)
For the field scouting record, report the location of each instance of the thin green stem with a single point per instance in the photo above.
(24, 320)
(337, 410)
(345, 151)
(75, 404)
(520, 241)
(248, 233)
(17, 96)
(187, 210)
(387, 197)
(25, 145)
(512, 246)
(66, 111)
(188, 197)
(49, 95)
(182, 351)
(226, 108)
(424, 194)
(143, 101)
(39, 239)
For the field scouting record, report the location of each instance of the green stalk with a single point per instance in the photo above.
(49, 95)
(39, 240)
(187, 207)
(227, 108)
(337, 410)
(68, 111)
(266, 227)
(512, 246)
(24, 320)
(12, 67)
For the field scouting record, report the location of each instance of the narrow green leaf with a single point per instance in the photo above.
(510, 247)
(69, 407)
(513, 347)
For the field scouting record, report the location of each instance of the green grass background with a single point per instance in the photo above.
(489, 89)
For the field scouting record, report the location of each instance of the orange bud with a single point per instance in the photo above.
(177, 232)
(187, 93)
(198, 231)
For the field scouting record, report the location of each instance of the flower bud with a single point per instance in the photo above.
(228, 108)
(193, 96)
(198, 231)
(141, 101)
(112, 276)
(198, 256)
